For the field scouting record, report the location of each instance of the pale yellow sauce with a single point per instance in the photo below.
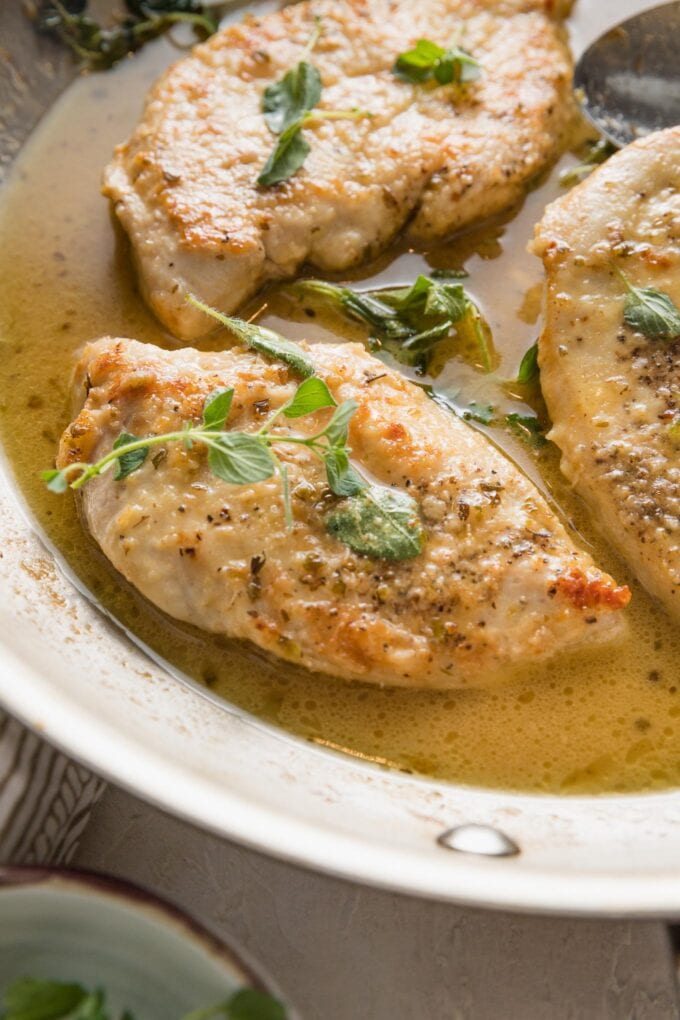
(607, 721)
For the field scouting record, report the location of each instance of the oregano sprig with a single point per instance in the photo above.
(383, 522)
(410, 320)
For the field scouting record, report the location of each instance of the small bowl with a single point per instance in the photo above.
(82, 927)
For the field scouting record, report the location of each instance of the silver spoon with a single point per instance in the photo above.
(629, 78)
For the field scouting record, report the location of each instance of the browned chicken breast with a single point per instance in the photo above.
(498, 583)
(613, 392)
(184, 185)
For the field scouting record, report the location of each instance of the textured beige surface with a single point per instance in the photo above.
(342, 952)
(184, 185)
(612, 393)
(499, 583)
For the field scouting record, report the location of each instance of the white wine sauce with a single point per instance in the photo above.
(604, 721)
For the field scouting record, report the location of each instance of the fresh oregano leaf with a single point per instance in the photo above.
(343, 480)
(528, 367)
(216, 408)
(378, 522)
(260, 339)
(598, 153)
(456, 66)
(240, 458)
(418, 63)
(336, 430)
(131, 460)
(410, 320)
(652, 312)
(285, 101)
(428, 60)
(311, 395)
(56, 481)
(287, 156)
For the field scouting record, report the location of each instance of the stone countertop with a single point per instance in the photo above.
(339, 951)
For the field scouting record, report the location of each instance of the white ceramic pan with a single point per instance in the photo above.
(74, 676)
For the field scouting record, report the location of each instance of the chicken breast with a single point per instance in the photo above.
(612, 392)
(184, 185)
(498, 584)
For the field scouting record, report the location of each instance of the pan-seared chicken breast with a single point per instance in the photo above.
(184, 185)
(613, 393)
(498, 584)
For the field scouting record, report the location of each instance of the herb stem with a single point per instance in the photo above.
(622, 276)
(313, 39)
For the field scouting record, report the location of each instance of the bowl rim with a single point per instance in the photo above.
(142, 901)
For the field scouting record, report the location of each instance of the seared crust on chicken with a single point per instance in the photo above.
(498, 585)
(184, 185)
(612, 393)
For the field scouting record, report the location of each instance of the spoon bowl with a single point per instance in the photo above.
(629, 78)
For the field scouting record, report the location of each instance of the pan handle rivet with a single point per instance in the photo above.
(478, 839)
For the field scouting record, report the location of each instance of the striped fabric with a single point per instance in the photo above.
(45, 799)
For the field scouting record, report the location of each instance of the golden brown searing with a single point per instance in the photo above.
(498, 585)
(613, 392)
(184, 185)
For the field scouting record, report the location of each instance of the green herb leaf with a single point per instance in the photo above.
(101, 47)
(264, 341)
(378, 522)
(528, 367)
(428, 60)
(216, 408)
(249, 1004)
(528, 428)
(458, 66)
(285, 101)
(652, 313)
(343, 480)
(56, 480)
(366, 307)
(31, 999)
(130, 461)
(417, 64)
(428, 297)
(311, 395)
(410, 320)
(336, 430)
(287, 157)
(246, 1004)
(91, 1008)
(599, 152)
(240, 458)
